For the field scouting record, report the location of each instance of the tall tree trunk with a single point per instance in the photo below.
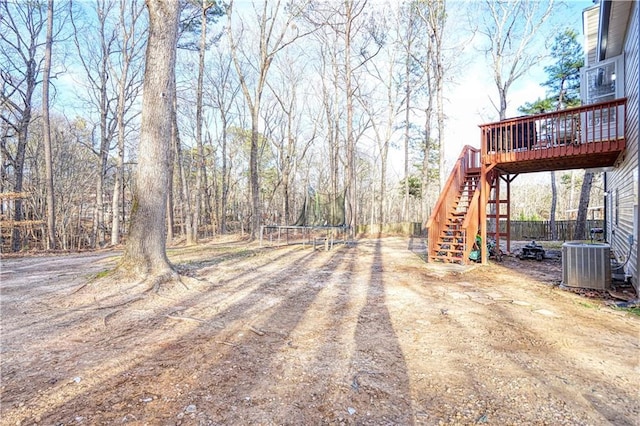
(145, 252)
(200, 145)
(554, 202)
(185, 194)
(170, 202)
(351, 184)
(46, 124)
(407, 111)
(426, 166)
(23, 132)
(583, 206)
(224, 196)
(128, 51)
(20, 38)
(118, 187)
(438, 17)
(105, 142)
(253, 173)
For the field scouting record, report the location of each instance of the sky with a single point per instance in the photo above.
(469, 102)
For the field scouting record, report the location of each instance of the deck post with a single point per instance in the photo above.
(498, 203)
(484, 188)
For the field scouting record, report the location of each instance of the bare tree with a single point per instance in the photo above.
(200, 13)
(359, 42)
(145, 252)
(583, 206)
(224, 91)
(46, 124)
(184, 192)
(390, 99)
(94, 56)
(435, 17)
(422, 32)
(288, 141)
(331, 111)
(510, 29)
(274, 34)
(22, 24)
(410, 34)
(554, 203)
(131, 44)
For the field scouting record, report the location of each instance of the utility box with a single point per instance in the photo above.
(586, 265)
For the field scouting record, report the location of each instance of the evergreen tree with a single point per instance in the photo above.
(563, 84)
(564, 74)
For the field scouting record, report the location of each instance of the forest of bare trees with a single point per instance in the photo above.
(272, 100)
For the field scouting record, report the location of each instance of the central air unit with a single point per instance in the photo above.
(586, 265)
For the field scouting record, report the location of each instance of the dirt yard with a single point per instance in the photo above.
(365, 334)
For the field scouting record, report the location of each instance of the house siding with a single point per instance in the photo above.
(591, 18)
(622, 183)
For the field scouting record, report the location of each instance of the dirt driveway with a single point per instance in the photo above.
(367, 334)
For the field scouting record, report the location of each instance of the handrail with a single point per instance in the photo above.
(601, 122)
(471, 223)
(468, 159)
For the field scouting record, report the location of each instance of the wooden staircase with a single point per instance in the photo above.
(476, 197)
(452, 241)
(455, 219)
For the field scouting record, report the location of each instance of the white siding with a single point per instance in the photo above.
(590, 27)
(622, 183)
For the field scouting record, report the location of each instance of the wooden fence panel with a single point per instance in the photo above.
(541, 230)
(520, 230)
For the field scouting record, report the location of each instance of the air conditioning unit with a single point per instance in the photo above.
(586, 265)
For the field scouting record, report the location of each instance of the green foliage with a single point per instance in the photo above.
(565, 180)
(103, 274)
(532, 217)
(563, 76)
(415, 186)
(537, 107)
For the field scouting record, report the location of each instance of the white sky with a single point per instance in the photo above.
(469, 102)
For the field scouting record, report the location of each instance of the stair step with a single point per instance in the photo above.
(451, 248)
(450, 245)
(453, 234)
(449, 253)
(445, 259)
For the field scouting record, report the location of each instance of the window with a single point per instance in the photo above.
(603, 81)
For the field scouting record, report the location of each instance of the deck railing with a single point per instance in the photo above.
(468, 159)
(603, 122)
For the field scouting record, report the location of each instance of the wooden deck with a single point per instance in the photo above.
(586, 137)
(591, 136)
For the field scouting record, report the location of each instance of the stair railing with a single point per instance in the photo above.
(471, 223)
(468, 159)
